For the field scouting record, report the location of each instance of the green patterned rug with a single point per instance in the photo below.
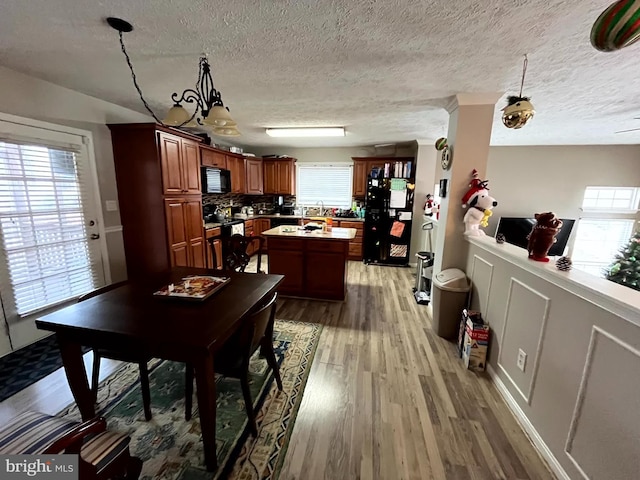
(171, 448)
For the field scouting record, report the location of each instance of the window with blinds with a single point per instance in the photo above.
(330, 184)
(42, 224)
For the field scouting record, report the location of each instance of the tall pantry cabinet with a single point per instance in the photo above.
(158, 177)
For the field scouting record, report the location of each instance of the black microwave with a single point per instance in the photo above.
(215, 180)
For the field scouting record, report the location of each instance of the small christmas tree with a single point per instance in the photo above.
(626, 266)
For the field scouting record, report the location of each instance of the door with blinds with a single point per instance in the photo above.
(51, 251)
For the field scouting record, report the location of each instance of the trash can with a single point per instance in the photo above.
(450, 290)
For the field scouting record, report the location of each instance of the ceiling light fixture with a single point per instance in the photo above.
(207, 100)
(306, 132)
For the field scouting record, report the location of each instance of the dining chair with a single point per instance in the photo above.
(234, 251)
(232, 360)
(100, 353)
(102, 454)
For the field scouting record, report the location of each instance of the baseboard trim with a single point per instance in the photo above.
(527, 426)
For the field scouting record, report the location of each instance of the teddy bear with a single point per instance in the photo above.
(480, 204)
(543, 236)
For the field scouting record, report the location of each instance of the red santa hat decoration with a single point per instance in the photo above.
(475, 186)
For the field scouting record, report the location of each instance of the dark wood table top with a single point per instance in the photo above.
(170, 328)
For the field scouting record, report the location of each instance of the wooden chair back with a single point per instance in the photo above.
(234, 251)
(260, 325)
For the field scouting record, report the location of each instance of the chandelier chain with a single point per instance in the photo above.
(524, 72)
(135, 81)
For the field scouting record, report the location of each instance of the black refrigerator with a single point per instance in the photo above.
(387, 225)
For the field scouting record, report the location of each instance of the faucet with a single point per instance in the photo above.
(321, 207)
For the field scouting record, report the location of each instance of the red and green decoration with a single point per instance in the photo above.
(617, 27)
(626, 266)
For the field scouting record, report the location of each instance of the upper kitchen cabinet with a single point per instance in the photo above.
(254, 176)
(235, 164)
(212, 157)
(359, 179)
(362, 166)
(180, 158)
(280, 176)
(159, 195)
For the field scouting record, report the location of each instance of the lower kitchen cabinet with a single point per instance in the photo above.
(325, 272)
(248, 232)
(260, 225)
(217, 245)
(355, 245)
(312, 267)
(184, 231)
(289, 263)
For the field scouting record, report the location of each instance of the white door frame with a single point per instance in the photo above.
(14, 124)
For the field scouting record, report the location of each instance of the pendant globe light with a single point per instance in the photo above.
(209, 108)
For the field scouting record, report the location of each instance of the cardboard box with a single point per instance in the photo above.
(466, 315)
(476, 343)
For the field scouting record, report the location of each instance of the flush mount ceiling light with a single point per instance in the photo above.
(306, 132)
(209, 109)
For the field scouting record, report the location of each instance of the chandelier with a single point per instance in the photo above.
(209, 109)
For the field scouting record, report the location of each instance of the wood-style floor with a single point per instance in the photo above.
(386, 398)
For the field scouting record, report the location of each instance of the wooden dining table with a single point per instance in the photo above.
(130, 319)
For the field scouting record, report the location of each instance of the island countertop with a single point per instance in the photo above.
(292, 231)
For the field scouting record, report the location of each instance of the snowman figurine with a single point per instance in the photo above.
(429, 205)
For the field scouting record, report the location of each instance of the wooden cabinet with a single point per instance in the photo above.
(184, 232)
(259, 226)
(270, 177)
(235, 165)
(280, 176)
(249, 232)
(355, 245)
(360, 179)
(362, 166)
(159, 194)
(217, 245)
(254, 176)
(287, 258)
(313, 268)
(212, 158)
(180, 159)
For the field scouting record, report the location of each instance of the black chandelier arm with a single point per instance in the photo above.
(135, 81)
(188, 96)
(209, 95)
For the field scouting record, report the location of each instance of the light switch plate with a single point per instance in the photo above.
(111, 205)
(522, 359)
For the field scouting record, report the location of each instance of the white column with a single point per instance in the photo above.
(470, 122)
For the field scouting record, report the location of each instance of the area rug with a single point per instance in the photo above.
(171, 448)
(29, 364)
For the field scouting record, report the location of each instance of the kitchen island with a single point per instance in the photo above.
(314, 264)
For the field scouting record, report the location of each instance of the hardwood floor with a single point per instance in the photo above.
(386, 398)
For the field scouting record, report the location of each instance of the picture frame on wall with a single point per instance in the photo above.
(443, 188)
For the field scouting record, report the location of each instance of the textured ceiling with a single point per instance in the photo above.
(381, 68)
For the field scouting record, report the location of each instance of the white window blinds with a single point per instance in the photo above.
(598, 241)
(329, 184)
(43, 227)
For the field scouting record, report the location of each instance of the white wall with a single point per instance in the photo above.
(425, 180)
(577, 397)
(31, 97)
(528, 180)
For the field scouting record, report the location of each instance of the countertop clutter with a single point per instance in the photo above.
(336, 233)
(209, 225)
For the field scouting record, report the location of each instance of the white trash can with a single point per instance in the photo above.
(450, 290)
